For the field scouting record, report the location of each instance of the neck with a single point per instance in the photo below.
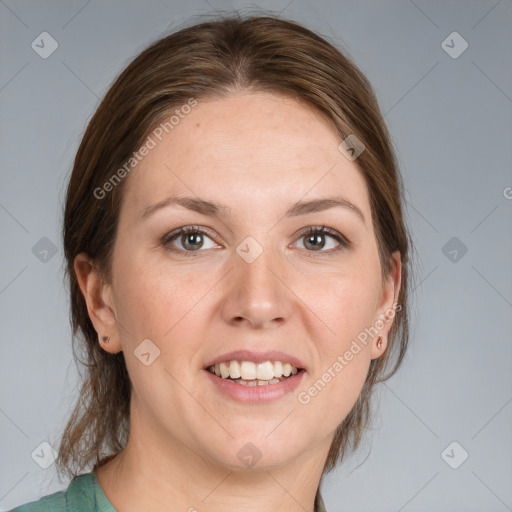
(152, 474)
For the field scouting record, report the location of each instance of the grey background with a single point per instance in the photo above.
(451, 121)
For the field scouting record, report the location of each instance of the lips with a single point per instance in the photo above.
(254, 391)
(257, 357)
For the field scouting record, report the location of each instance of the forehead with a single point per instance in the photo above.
(249, 149)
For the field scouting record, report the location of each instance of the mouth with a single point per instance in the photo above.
(249, 373)
(255, 377)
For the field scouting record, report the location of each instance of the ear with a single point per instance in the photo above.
(100, 304)
(388, 306)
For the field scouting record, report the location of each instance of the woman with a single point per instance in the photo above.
(238, 264)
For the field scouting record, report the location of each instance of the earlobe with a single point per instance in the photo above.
(378, 347)
(99, 302)
(388, 306)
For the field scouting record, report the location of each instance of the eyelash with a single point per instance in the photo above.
(313, 230)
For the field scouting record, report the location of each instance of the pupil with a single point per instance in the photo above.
(313, 241)
(192, 239)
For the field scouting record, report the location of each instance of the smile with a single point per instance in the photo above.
(248, 373)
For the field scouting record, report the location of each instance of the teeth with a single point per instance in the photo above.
(224, 370)
(278, 369)
(248, 370)
(257, 382)
(234, 370)
(265, 371)
(249, 373)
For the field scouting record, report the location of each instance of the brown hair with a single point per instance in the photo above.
(216, 58)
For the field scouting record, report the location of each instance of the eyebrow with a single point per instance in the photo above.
(213, 209)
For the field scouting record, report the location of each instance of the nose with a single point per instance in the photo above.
(256, 295)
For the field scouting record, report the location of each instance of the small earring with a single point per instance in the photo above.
(379, 343)
(105, 339)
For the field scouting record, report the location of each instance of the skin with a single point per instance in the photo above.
(258, 154)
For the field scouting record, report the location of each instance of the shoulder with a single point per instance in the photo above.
(82, 495)
(52, 503)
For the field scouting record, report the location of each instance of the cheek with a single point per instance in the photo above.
(346, 304)
(343, 293)
(160, 305)
(156, 300)
(356, 302)
(345, 388)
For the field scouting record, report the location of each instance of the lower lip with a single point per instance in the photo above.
(255, 394)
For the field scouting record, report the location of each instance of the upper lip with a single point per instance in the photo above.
(258, 357)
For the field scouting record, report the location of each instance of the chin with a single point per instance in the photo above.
(257, 453)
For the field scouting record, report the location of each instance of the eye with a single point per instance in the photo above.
(189, 239)
(316, 239)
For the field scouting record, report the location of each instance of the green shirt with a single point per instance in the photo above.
(84, 494)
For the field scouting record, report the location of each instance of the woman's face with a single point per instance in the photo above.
(247, 277)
